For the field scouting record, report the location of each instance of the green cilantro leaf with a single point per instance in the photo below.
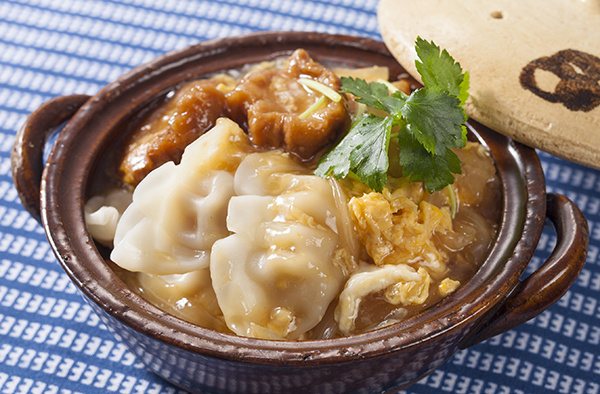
(435, 171)
(431, 122)
(438, 69)
(374, 94)
(427, 111)
(364, 152)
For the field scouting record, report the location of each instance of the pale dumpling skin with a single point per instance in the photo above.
(102, 214)
(179, 211)
(286, 260)
(189, 296)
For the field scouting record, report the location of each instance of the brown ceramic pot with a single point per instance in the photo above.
(493, 301)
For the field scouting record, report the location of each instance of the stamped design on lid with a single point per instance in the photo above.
(579, 74)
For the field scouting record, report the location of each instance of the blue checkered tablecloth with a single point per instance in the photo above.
(51, 342)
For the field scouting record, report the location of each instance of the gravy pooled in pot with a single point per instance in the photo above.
(221, 221)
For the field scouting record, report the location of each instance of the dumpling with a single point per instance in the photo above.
(179, 211)
(189, 296)
(102, 213)
(287, 259)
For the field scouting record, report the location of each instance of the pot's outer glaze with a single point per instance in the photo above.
(200, 360)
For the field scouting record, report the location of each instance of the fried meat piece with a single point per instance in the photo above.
(268, 104)
(167, 130)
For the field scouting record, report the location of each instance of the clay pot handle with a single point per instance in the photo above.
(27, 162)
(549, 282)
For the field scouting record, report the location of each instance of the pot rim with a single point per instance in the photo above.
(458, 314)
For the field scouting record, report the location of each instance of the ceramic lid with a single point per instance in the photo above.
(534, 66)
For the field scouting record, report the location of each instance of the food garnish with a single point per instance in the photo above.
(327, 92)
(429, 123)
(319, 87)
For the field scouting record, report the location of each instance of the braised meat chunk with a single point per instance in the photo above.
(165, 133)
(269, 105)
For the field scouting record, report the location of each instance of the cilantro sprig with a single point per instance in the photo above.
(430, 124)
